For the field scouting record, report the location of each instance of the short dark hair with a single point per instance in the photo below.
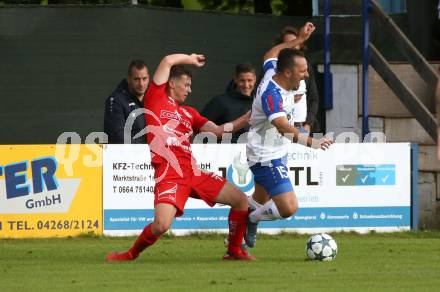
(178, 71)
(244, 68)
(286, 58)
(286, 30)
(138, 64)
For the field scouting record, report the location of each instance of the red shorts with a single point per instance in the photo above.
(175, 190)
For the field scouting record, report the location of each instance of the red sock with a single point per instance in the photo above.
(237, 228)
(145, 239)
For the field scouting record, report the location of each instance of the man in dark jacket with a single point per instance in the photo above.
(119, 106)
(235, 102)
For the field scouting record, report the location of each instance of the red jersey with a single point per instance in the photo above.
(170, 127)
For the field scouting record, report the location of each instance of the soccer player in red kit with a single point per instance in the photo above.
(170, 128)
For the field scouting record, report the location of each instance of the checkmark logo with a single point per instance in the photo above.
(364, 179)
(385, 178)
(344, 179)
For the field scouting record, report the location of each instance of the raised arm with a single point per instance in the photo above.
(163, 70)
(303, 35)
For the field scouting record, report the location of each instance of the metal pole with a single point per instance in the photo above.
(328, 89)
(365, 62)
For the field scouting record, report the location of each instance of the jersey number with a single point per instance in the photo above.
(282, 171)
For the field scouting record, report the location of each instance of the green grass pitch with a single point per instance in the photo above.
(372, 262)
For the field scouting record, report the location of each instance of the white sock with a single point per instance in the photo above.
(267, 212)
(253, 204)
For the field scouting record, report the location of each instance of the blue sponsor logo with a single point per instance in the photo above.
(239, 174)
(366, 175)
(241, 180)
(43, 171)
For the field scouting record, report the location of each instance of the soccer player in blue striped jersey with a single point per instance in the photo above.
(272, 131)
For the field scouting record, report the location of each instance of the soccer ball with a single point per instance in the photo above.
(321, 247)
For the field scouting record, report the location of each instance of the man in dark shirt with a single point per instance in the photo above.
(119, 106)
(235, 102)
